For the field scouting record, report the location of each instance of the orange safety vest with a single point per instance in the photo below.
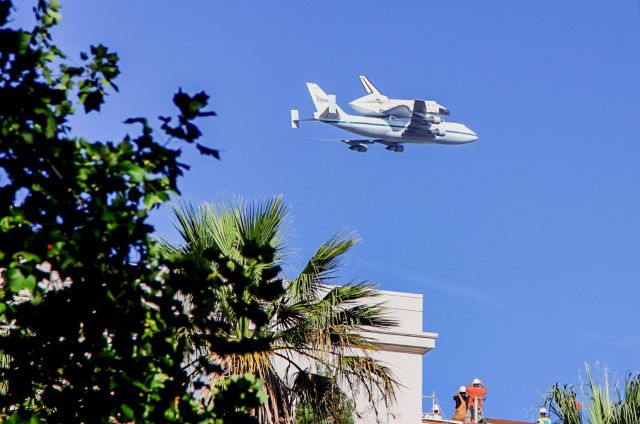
(476, 392)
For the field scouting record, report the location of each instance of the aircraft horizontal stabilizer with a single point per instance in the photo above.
(295, 118)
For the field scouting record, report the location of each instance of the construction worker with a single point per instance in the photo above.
(476, 390)
(543, 417)
(460, 399)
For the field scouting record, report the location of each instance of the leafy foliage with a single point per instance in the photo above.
(342, 412)
(604, 403)
(88, 323)
(314, 329)
(562, 403)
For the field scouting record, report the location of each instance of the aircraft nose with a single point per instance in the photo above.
(471, 136)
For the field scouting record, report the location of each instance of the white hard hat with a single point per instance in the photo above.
(543, 410)
(463, 389)
(476, 381)
(436, 407)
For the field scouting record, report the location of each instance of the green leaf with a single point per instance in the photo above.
(26, 256)
(92, 101)
(153, 199)
(17, 281)
(128, 412)
(6, 223)
(137, 173)
(14, 41)
(52, 126)
(207, 151)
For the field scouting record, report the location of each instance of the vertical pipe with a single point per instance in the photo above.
(433, 401)
(475, 409)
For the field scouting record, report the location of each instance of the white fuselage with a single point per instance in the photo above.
(391, 129)
(379, 106)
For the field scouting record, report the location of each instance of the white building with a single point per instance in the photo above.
(402, 348)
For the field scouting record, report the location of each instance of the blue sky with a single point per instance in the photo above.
(524, 244)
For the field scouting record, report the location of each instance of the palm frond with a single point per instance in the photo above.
(562, 403)
(365, 315)
(605, 402)
(340, 317)
(363, 372)
(278, 406)
(352, 305)
(289, 315)
(261, 223)
(322, 268)
(319, 392)
(191, 225)
(222, 229)
(350, 293)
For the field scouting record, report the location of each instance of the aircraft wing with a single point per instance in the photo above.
(419, 126)
(350, 141)
(356, 143)
(359, 145)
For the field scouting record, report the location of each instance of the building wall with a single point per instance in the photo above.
(407, 368)
(402, 349)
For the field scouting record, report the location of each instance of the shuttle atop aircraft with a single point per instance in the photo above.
(390, 122)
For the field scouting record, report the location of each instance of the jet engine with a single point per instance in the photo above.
(398, 148)
(358, 148)
(437, 131)
(433, 119)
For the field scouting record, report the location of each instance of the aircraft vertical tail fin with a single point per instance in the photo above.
(368, 87)
(325, 103)
(319, 97)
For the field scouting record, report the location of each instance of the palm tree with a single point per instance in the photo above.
(562, 403)
(309, 327)
(606, 403)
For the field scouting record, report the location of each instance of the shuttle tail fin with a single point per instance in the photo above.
(368, 87)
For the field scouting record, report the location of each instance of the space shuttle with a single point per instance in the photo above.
(376, 104)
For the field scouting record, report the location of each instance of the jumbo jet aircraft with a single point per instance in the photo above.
(391, 131)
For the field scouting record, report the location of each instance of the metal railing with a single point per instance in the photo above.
(435, 406)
